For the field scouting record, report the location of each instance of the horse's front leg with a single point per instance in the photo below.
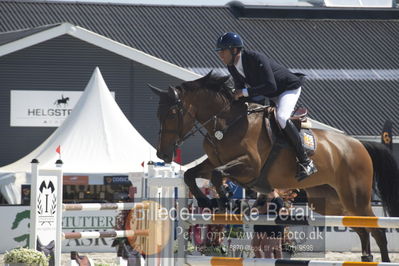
(240, 167)
(203, 170)
(220, 188)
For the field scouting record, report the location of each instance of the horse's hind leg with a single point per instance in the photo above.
(381, 239)
(325, 201)
(356, 200)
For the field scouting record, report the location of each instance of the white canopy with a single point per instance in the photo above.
(95, 138)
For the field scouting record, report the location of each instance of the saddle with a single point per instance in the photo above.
(301, 122)
(279, 141)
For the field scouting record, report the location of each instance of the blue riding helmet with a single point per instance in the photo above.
(229, 40)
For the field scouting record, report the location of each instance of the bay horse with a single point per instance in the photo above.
(348, 169)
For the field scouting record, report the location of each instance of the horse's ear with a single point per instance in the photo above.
(205, 79)
(173, 92)
(156, 90)
(208, 75)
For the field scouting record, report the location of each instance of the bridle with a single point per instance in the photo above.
(176, 108)
(180, 110)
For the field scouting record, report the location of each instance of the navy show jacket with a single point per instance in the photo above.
(264, 76)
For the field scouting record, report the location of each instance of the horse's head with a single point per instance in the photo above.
(176, 119)
(179, 106)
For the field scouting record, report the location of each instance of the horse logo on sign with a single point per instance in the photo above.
(63, 101)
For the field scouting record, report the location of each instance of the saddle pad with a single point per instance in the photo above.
(308, 141)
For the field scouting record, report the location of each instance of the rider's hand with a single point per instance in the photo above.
(238, 94)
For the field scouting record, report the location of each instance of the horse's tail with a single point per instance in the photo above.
(386, 176)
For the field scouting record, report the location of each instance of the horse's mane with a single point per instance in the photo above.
(213, 83)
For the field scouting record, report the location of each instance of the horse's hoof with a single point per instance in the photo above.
(368, 258)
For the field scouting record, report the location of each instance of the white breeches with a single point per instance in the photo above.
(285, 104)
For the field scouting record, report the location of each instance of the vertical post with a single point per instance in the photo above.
(152, 194)
(183, 228)
(58, 238)
(33, 206)
(168, 255)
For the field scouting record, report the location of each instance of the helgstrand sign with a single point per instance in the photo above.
(41, 108)
(38, 108)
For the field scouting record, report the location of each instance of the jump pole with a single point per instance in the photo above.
(162, 190)
(120, 206)
(348, 221)
(223, 261)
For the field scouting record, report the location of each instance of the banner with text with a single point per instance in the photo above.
(42, 108)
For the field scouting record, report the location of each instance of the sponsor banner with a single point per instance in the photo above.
(42, 108)
(117, 180)
(15, 224)
(76, 180)
(16, 227)
(87, 221)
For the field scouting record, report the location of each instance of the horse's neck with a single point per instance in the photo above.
(217, 117)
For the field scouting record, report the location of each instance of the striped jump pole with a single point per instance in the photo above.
(349, 221)
(105, 234)
(223, 261)
(103, 206)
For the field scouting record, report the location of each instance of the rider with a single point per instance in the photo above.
(257, 77)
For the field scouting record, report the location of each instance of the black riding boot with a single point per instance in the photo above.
(306, 166)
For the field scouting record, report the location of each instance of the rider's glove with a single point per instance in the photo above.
(245, 92)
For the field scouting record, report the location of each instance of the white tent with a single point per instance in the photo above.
(95, 138)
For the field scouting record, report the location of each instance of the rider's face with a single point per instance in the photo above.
(226, 56)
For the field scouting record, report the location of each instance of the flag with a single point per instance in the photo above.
(142, 164)
(177, 158)
(386, 136)
(58, 150)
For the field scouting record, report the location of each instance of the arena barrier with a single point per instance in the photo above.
(348, 221)
(102, 206)
(223, 261)
(105, 234)
(164, 188)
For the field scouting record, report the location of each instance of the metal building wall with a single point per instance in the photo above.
(66, 64)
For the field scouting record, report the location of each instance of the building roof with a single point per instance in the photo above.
(346, 59)
(14, 41)
(172, 33)
(11, 36)
(359, 107)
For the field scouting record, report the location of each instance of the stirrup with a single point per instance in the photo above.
(305, 170)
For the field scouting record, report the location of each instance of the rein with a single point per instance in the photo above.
(218, 134)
